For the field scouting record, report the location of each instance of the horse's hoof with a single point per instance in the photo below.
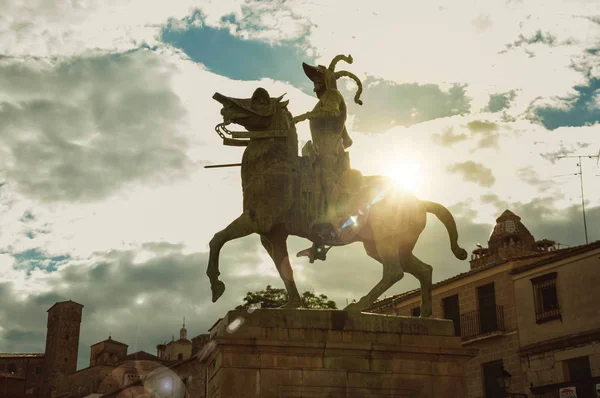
(217, 288)
(425, 314)
(460, 253)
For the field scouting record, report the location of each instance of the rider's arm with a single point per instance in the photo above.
(329, 106)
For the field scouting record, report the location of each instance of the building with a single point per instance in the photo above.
(493, 308)
(54, 373)
(40, 374)
(558, 319)
(176, 349)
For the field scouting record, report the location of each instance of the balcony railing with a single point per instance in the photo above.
(481, 322)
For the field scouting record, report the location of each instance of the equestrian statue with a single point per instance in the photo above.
(317, 195)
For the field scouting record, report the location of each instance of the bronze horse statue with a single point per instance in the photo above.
(279, 191)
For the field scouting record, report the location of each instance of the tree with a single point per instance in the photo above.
(275, 298)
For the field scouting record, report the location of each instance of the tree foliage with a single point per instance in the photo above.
(275, 298)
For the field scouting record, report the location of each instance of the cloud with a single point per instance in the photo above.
(579, 109)
(529, 175)
(538, 37)
(80, 128)
(482, 126)
(32, 259)
(227, 51)
(500, 102)
(487, 130)
(473, 172)
(128, 298)
(387, 104)
(448, 137)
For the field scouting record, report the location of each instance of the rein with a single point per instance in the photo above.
(242, 138)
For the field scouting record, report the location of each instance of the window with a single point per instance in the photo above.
(545, 298)
(488, 319)
(491, 372)
(579, 369)
(130, 378)
(452, 312)
(12, 368)
(180, 357)
(416, 311)
(38, 370)
(67, 336)
(66, 360)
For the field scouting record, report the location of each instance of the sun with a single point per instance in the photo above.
(406, 174)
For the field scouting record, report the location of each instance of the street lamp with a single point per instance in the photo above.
(504, 383)
(504, 379)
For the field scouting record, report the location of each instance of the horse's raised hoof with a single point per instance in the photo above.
(217, 288)
(460, 253)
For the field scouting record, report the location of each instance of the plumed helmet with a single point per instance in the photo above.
(329, 76)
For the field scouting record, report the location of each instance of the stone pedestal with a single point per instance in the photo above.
(277, 353)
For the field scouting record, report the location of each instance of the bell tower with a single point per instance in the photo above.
(62, 343)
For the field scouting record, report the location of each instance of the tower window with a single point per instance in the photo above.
(180, 357)
(66, 360)
(67, 336)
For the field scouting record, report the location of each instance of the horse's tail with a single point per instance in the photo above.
(447, 219)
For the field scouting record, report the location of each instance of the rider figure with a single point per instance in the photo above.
(329, 137)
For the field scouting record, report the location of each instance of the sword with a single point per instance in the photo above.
(214, 166)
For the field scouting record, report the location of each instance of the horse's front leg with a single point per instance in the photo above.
(240, 227)
(275, 243)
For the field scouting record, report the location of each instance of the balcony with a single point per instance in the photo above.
(480, 324)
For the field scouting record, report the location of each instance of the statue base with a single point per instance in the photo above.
(277, 353)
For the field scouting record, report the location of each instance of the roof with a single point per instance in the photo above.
(110, 340)
(564, 253)
(10, 355)
(184, 341)
(64, 302)
(141, 356)
(507, 214)
(411, 293)
(215, 324)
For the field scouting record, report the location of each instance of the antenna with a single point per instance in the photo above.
(581, 183)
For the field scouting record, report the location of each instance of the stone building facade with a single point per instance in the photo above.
(487, 303)
(559, 322)
(62, 344)
(54, 373)
(41, 374)
(21, 373)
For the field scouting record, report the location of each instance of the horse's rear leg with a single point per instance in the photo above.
(240, 227)
(276, 245)
(393, 261)
(423, 273)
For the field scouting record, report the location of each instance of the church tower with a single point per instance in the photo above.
(62, 343)
(510, 239)
(183, 331)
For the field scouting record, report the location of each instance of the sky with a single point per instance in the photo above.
(107, 121)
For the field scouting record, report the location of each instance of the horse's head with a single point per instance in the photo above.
(256, 113)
